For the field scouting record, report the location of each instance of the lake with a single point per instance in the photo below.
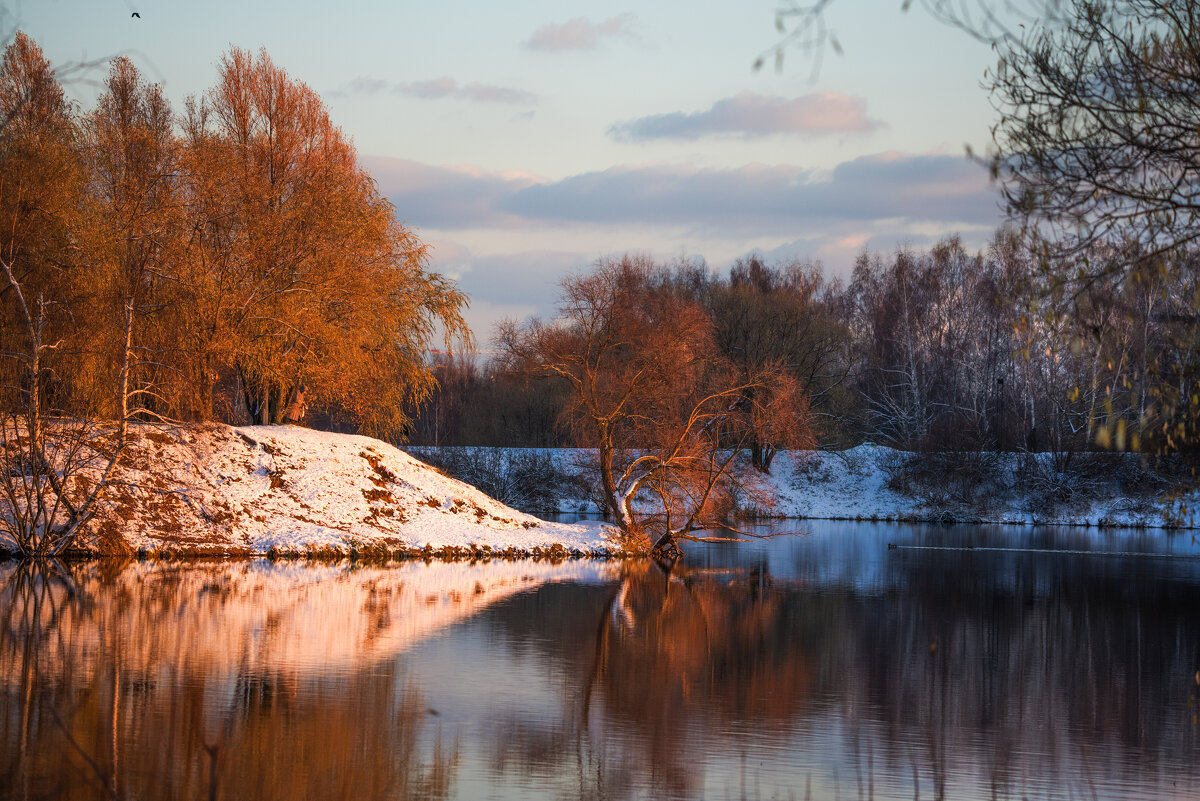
(816, 664)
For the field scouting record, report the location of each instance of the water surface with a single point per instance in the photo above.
(822, 664)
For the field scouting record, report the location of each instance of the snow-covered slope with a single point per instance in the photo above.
(873, 482)
(285, 489)
(863, 482)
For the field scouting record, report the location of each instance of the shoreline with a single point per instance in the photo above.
(446, 554)
(292, 493)
(554, 553)
(873, 483)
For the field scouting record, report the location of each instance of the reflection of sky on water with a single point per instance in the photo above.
(880, 722)
(823, 664)
(847, 555)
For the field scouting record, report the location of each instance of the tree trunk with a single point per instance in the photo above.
(666, 549)
(612, 498)
(264, 405)
(761, 456)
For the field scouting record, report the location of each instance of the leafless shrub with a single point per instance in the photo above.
(895, 465)
(947, 478)
(1061, 478)
(54, 468)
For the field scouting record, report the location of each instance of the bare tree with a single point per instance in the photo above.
(55, 468)
(1098, 153)
(665, 411)
(936, 339)
(781, 316)
(803, 27)
(1099, 135)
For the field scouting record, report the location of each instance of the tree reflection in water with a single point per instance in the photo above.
(95, 718)
(822, 667)
(949, 678)
(672, 637)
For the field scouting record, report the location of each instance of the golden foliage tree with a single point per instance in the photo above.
(306, 282)
(133, 227)
(257, 254)
(54, 460)
(41, 186)
(145, 264)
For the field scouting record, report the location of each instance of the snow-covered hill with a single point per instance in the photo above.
(288, 490)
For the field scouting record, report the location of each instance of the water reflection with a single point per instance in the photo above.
(245, 680)
(828, 666)
(817, 666)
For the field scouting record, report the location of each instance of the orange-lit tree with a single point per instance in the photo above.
(300, 274)
(782, 315)
(134, 224)
(147, 267)
(667, 414)
(54, 458)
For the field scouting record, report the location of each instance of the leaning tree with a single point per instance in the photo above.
(650, 391)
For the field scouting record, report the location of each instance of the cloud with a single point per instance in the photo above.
(752, 115)
(447, 87)
(430, 196)
(508, 237)
(754, 199)
(761, 197)
(363, 85)
(582, 34)
(441, 88)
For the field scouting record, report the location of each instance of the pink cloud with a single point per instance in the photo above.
(441, 88)
(752, 115)
(582, 34)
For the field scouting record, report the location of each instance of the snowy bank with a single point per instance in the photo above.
(873, 482)
(286, 490)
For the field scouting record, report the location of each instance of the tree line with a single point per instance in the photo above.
(941, 349)
(263, 270)
(231, 262)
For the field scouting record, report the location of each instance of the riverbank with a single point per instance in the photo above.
(872, 482)
(284, 491)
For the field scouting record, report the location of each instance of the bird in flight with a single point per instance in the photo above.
(135, 14)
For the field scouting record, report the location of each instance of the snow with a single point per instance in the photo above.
(830, 485)
(286, 490)
(857, 484)
(290, 490)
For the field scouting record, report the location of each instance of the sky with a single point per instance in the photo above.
(526, 140)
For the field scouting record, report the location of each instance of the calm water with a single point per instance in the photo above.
(822, 665)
